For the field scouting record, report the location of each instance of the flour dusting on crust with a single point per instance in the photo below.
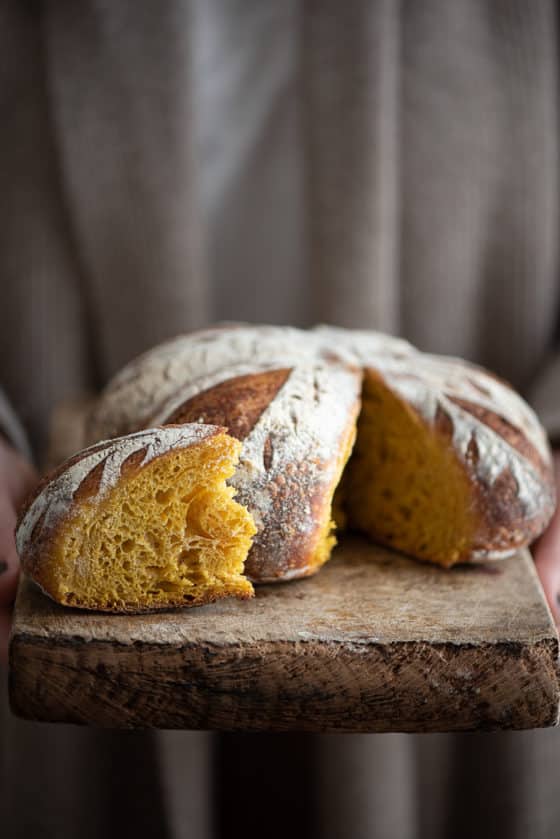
(290, 458)
(56, 498)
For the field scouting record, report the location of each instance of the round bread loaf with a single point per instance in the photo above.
(450, 464)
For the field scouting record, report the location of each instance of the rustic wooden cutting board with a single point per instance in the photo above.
(374, 642)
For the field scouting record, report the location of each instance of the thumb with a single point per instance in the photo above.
(17, 477)
(547, 561)
(9, 560)
(546, 552)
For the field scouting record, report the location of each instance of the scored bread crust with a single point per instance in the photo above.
(91, 474)
(495, 435)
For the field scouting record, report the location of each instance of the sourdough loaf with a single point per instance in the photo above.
(450, 464)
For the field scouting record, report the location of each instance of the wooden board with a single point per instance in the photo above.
(374, 642)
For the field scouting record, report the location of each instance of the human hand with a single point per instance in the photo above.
(546, 552)
(17, 478)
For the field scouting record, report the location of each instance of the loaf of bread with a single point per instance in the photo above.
(449, 465)
(139, 523)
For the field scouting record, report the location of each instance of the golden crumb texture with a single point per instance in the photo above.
(168, 533)
(404, 486)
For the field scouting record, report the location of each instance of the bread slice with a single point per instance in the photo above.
(140, 523)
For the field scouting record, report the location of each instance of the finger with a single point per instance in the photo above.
(9, 560)
(547, 561)
(5, 627)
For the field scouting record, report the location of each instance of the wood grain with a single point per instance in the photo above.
(374, 642)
